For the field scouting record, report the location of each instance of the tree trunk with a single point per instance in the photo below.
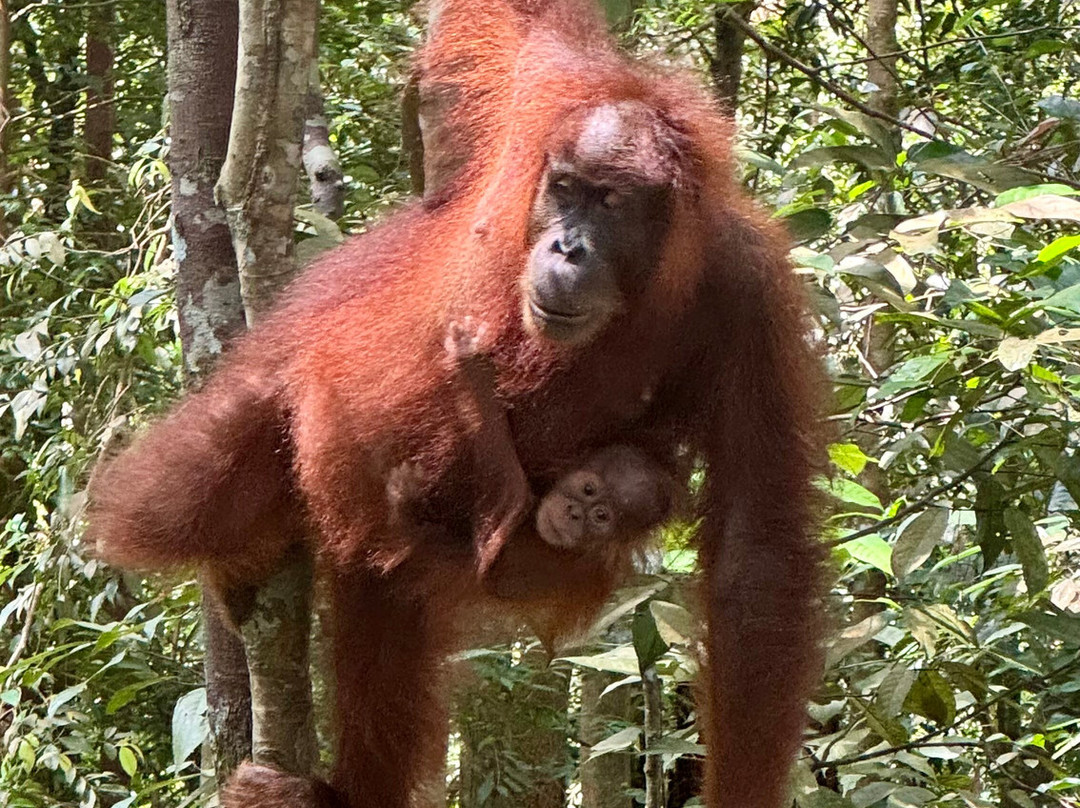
(277, 637)
(228, 695)
(879, 342)
(881, 69)
(605, 780)
(325, 177)
(201, 43)
(5, 100)
(726, 64)
(258, 187)
(100, 111)
(412, 135)
(259, 181)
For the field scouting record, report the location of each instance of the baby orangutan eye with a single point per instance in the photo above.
(611, 199)
(588, 489)
(601, 515)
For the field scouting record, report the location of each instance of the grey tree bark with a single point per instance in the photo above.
(881, 16)
(325, 177)
(258, 188)
(201, 43)
(258, 184)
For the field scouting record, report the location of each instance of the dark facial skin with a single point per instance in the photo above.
(598, 222)
(618, 495)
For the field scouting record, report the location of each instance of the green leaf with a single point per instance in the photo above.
(983, 174)
(26, 754)
(64, 696)
(648, 644)
(1028, 191)
(918, 539)
(889, 729)
(870, 157)
(808, 224)
(1068, 299)
(128, 762)
(911, 373)
(990, 529)
(1041, 47)
(189, 725)
(872, 550)
(966, 677)
(893, 690)
(1061, 626)
(849, 457)
(759, 160)
(932, 697)
(618, 660)
(125, 695)
(1057, 248)
(851, 492)
(1067, 469)
(1029, 549)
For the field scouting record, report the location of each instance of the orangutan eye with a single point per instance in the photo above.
(601, 515)
(562, 183)
(589, 489)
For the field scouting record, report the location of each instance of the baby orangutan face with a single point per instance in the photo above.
(619, 495)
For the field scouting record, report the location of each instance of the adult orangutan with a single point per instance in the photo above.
(633, 296)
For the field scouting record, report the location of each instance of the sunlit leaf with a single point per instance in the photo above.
(849, 457)
(675, 624)
(1016, 354)
(623, 739)
(128, 761)
(189, 724)
(872, 550)
(1058, 247)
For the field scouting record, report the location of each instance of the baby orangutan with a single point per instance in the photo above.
(618, 494)
(604, 508)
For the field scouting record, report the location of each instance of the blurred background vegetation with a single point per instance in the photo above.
(933, 195)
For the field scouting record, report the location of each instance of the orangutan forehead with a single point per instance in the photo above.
(626, 140)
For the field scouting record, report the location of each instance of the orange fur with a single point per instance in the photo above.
(347, 380)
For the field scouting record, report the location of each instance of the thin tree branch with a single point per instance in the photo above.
(925, 741)
(815, 75)
(923, 501)
(28, 622)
